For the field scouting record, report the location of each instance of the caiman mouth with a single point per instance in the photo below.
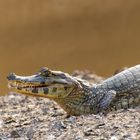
(28, 88)
(28, 84)
(18, 84)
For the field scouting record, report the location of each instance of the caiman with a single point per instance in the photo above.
(79, 97)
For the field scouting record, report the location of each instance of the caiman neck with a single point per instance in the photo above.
(79, 101)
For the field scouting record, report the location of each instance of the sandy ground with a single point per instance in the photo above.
(30, 118)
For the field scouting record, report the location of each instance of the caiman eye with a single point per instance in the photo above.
(45, 72)
(63, 76)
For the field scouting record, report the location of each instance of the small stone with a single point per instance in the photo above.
(101, 125)
(9, 120)
(15, 134)
(113, 138)
(51, 137)
(72, 119)
(113, 115)
(78, 138)
(30, 133)
(90, 132)
(45, 111)
(59, 125)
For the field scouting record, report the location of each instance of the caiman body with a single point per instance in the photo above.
(77, 96)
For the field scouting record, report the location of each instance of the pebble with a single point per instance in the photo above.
(15, 134)
(45, 111)
(59, 125)
(30, 133)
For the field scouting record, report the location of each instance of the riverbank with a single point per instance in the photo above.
(23, 117)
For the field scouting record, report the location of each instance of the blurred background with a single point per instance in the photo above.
(98, 35)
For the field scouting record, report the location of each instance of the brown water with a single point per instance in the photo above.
(66, 35)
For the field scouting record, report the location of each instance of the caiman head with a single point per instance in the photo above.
(66, 90)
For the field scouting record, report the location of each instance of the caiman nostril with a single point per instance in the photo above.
(11, 76)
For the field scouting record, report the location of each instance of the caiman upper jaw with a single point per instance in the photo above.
(33, 79)
(11, 76)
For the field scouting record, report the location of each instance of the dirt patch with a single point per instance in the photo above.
(23, 117)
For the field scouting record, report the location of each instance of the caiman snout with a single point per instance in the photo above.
(11, 76)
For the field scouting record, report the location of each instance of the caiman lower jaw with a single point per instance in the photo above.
(29, 89)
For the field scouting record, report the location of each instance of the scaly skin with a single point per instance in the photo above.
(77, 96)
